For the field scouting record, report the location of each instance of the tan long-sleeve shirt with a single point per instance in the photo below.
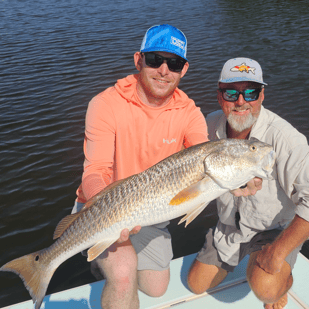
(278, 201)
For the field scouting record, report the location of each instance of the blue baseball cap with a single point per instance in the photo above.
(165, 38)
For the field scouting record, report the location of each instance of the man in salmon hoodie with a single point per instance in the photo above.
(131, 126)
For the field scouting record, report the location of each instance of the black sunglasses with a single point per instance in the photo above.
(232, 95)
(155, 61)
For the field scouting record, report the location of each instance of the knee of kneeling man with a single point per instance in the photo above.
(155, 291)
(264, 289)
(123, 278)
(194, 286)
(118, 272)
(123, 283)
(266, 295)
(160, 291)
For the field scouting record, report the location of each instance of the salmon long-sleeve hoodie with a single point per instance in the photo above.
(124, 136)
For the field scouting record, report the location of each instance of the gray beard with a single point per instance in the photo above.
(241, 123)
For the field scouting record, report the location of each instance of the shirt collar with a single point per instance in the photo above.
(259, 127)
(221, 127)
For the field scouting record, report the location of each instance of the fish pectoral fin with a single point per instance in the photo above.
(99, 248)
(190, 216)
(190, 192)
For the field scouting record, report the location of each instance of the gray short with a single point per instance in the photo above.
(209, 254)
(153, 245)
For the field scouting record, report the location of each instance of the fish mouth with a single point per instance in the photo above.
(269, 167)
(272, 158)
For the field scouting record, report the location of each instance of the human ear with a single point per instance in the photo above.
(262, 95)
(184, 69)
(138, 61)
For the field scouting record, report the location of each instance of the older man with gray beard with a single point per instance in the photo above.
(271, 225)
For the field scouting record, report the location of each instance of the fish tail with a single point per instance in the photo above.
(35, 274)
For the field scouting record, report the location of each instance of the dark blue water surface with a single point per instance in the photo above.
(56, 55)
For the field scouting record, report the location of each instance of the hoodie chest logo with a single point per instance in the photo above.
(169, 142)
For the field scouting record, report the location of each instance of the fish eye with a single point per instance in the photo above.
(253, 148)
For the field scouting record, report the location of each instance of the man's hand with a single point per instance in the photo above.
(268, 260)
(252, 187)
(124, 235)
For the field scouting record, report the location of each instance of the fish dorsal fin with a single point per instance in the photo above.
(189, 193)
(191, 215)
(97, 196)
(99, 248)
(64, 224)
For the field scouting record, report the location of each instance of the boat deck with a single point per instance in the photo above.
(233, 292)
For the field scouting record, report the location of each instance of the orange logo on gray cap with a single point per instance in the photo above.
(242, 68)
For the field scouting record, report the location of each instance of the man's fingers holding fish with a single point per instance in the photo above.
(135, 230)
(124, 235)
(250, 188)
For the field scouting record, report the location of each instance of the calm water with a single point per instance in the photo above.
(56, 55)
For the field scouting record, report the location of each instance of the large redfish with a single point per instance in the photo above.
(182, 184)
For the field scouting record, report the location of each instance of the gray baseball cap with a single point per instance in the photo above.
(241, 70)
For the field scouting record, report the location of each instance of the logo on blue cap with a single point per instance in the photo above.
(165, 38)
